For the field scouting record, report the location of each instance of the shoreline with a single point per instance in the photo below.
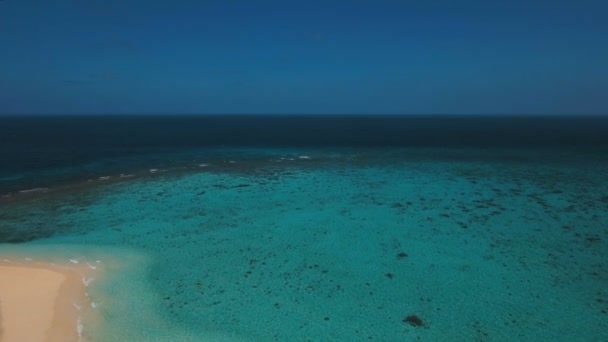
(45, 301)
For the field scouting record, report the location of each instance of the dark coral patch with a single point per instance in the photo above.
(413, 320)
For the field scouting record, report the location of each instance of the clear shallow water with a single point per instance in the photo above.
(264, 244)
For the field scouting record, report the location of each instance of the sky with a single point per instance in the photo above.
(283, 57)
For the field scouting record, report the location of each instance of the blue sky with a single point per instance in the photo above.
(359, 56)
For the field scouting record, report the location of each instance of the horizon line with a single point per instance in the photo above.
(308, 114)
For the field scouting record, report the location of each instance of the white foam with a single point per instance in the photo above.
(153, 170)
(73, 261)
(203, 165)
(231, 162)
(94, 305)
(104, 178)
(33, 190)
(122, 175)
(87, 281)
(98, 261)
(78, 307)
(28, 259)
(91, 266)
(79, 328)
(304, 157)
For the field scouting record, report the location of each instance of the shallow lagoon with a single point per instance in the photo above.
(339, 244)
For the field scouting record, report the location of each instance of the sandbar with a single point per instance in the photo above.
(41, 302)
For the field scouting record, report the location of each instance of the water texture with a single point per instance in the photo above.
(306, 240)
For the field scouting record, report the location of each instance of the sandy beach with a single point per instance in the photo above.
(42, 301)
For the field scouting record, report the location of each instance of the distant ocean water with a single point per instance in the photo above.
(34, 148)
(276, 228)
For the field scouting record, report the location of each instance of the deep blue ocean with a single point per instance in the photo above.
(319, 228)
(37, 151)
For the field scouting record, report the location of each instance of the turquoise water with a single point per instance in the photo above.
(339, 245)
